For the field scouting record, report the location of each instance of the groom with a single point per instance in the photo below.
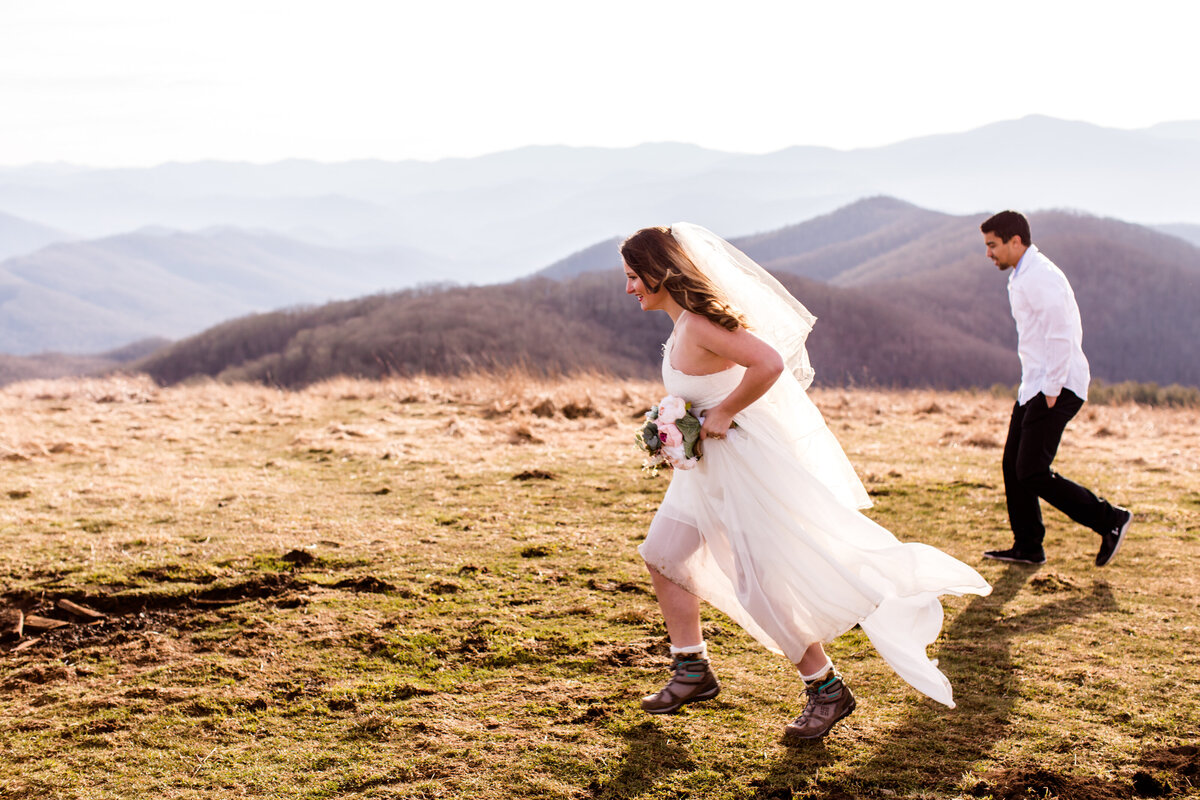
(1054, 384)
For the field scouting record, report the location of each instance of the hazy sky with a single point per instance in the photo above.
(137, 82)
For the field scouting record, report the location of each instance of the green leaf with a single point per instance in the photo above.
(689, 426)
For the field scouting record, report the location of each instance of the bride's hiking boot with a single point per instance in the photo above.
(693, 680)
(829, 700)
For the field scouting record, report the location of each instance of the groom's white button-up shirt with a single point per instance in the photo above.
(1049, 332)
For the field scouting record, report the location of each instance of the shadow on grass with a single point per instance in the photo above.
(933, 746)
(649, 755)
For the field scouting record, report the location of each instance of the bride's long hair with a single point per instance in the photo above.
(660, 262)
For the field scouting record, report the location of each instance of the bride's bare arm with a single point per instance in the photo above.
(763, 367)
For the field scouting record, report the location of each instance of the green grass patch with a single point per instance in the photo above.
(468, 634)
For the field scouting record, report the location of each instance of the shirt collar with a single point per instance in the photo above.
(1029, 250)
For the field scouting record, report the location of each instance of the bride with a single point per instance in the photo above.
(766, 526)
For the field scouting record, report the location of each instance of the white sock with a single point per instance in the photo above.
(820, 673)
(691, 650)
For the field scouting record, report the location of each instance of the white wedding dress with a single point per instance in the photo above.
(766, 528)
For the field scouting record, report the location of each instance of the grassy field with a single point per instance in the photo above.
(429, 588)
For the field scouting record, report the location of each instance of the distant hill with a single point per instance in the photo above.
(1134, 285)
(1189, 233)
(1137, 290)
(1182, 129)
(538, 324)
(59, 365)
(19, 236)
(833, 246)
(821, 248)
(584, 323)
(922, 307)
(501, 216)
(88, 296)
(600, 256)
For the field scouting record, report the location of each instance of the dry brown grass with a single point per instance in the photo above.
(428, 588)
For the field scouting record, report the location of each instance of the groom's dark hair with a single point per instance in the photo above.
(1008, 224)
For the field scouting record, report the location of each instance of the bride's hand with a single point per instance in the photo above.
(716, 424)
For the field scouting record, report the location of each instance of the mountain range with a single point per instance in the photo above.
(904, 297)
(94, 259)
(85, 296)
(18, 236)
(1137, 287)
(500, 216)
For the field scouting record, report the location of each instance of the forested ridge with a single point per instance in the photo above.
(904, 297)
(545, 326)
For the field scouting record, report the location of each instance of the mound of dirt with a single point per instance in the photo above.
(69, 621)
(1022, 784)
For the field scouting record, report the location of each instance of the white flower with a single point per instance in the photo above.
(673, 454)
(677, 458)
(670, 409)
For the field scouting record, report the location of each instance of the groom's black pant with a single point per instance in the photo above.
(1033, 437)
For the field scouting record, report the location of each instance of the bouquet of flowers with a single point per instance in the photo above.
(670, 435)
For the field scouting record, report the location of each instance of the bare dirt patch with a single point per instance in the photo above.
(1164, 772)
(1023, 784)
(122, 614)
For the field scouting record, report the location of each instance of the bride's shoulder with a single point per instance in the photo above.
(699, 330)
(693, 324)
(701, 335)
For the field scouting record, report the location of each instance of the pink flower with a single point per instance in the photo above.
(671, 408)
(669, 435)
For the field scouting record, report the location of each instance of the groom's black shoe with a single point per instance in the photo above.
(1017, 556)
(1110, 541)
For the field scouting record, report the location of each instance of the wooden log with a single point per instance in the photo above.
(25, 644)
(44, 623)
(80, 611)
